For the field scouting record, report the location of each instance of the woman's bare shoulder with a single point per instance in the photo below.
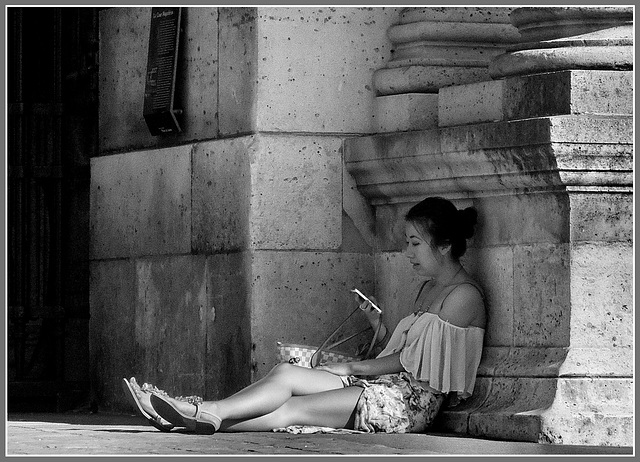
(464, 306)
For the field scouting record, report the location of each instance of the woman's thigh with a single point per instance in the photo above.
(303, 380)
(333, 408)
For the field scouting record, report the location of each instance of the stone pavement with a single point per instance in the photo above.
(116, 434)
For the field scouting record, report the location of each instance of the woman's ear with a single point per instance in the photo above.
(445, 249)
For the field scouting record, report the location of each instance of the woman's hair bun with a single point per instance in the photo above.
(468, 218)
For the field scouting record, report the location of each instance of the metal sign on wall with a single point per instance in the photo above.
(160, 87)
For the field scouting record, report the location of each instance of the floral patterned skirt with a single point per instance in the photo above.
(394, 403)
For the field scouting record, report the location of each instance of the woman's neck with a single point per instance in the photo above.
(448, 274)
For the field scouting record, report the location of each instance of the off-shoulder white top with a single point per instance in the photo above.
(442, 356)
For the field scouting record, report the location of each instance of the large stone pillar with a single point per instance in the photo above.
(547, 159)
(435, 47)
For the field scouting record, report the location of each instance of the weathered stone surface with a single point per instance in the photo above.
(540, 95)
(396, 286)
(616, 361)
(492, 268)
(124, 34)
(359, 212)
(238, 69)
(471, 103)
(542, 295)
(124, 42)
(593, 410)
(509, 410)
(296, 193)
(301, 297)
(221, 194)
(112, 344)
(522, 219)
(324, 57)
(601, 217)
(171, 313)
(540, 154)
(549, 23)
(561, 38)
(428, 79)
(141, 203)
(228, 325)
(601, 285)
(404, 112)
(522, 361)
(438, 47)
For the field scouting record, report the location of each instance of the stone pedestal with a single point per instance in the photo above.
(562, 38)
(435, 48)
(550, 172)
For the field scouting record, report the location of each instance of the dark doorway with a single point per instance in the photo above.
(52, 81)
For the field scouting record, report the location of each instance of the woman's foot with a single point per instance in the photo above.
(199, 418)
(141, 399)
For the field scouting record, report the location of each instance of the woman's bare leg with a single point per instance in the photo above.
(268, 394)
(334, 408)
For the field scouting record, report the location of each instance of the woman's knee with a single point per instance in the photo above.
(283, 369)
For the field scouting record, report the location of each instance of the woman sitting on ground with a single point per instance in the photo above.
(433, 352)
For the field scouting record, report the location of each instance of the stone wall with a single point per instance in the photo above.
(299, 157)
(210, 246)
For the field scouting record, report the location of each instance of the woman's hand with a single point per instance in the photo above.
(336, 368)
(372, 315)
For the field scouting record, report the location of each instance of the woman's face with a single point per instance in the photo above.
(426, 260)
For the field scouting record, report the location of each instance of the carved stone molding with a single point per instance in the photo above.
(437, 47)
(564, 38)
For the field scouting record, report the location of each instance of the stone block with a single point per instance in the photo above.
(404, 112)
(221, 194)
(455, 419)
(238, 70)
(602, 295)
(124, 38)
(198, 81)
(542, 295)
(510, 411)
(586, 129)
(601, 217)
(539, 95)
(522, 361)
(112, 339)
(358, 216)
(591, 411)
(426, 79)
(492, 268)
(141, 203)
(228, 337)
(472, 103)
(324, 57)
(353, 239)
(396, 286)
(296, 193)
(171, 315)
(124, 45)
(301, 297)
(522, 219)
(598, 362)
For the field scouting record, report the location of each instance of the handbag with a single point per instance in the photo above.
(311, 356)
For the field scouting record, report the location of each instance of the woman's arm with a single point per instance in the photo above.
(378, 366)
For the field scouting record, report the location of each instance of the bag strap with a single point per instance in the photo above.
(323, 346)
